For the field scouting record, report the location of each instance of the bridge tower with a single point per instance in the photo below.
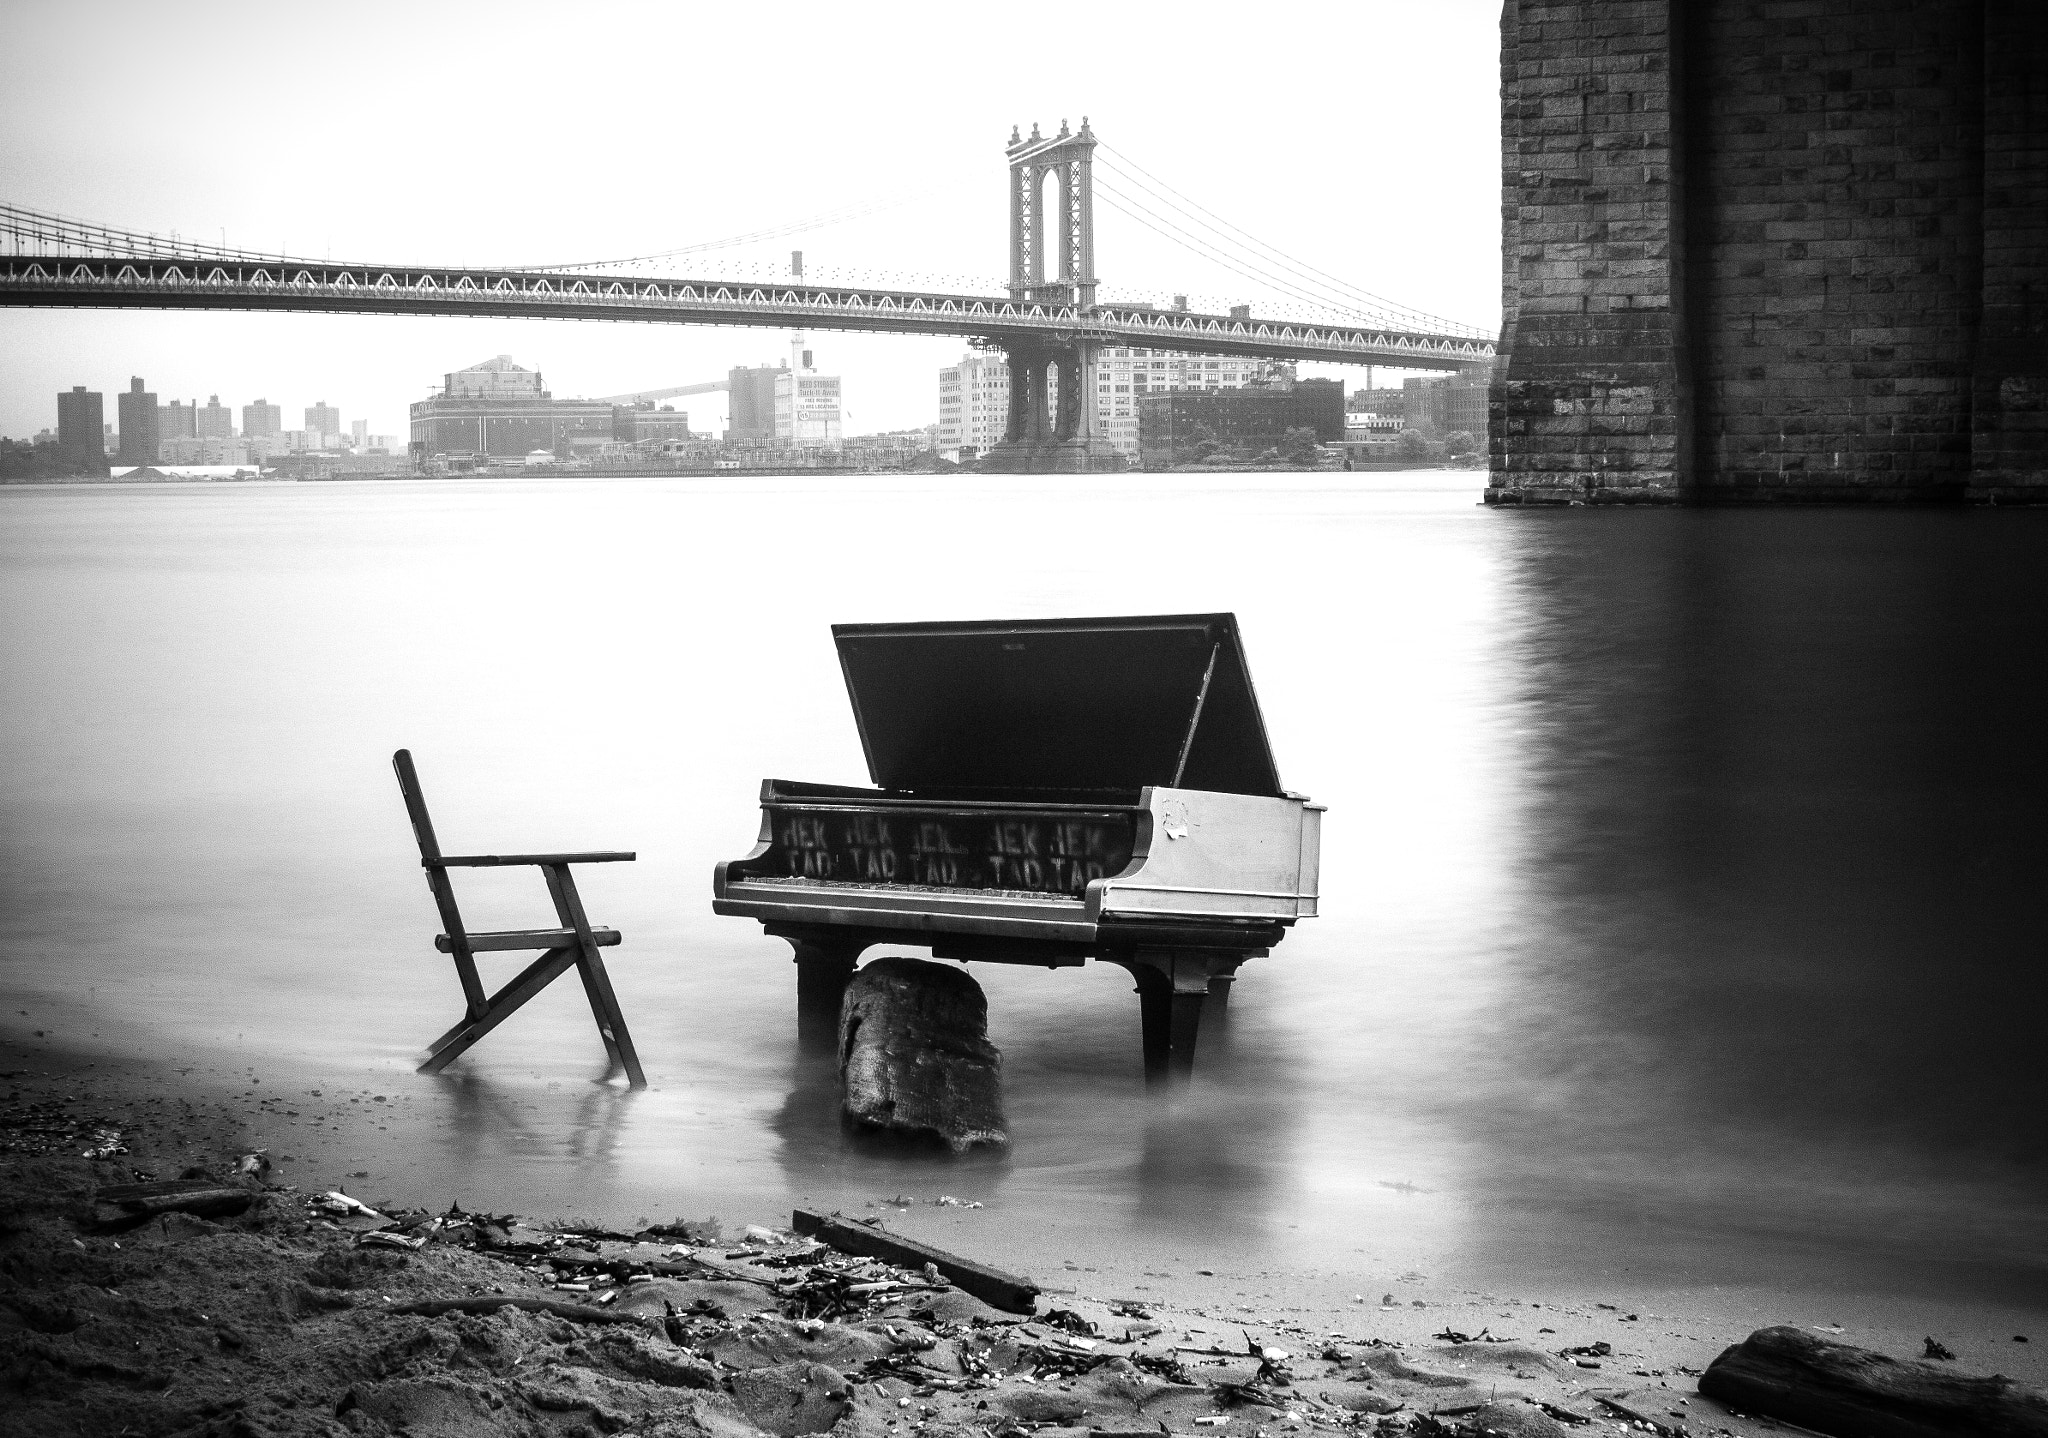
(1052, 422)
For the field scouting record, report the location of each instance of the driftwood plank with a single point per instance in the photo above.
(991, 1285)
(1840, 1389)
(203, 1198)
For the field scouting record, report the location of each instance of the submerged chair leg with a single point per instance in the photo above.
(501, 1006)
(611, 1022)
(597, 984)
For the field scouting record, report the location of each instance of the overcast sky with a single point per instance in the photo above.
(1358, 137)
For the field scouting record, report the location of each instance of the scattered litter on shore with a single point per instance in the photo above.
(323, 1313)
(216, 1301)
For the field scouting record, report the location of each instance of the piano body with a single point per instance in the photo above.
(1047, 792)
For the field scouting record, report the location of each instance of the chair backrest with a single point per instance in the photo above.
(430, 850)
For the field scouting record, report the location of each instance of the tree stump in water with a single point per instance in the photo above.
(1836, 1388)
(914, 1056)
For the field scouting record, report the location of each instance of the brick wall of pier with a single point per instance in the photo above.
(1773, 250)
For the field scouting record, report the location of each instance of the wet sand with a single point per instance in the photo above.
(64, 1097)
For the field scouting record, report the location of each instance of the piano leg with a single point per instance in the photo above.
(1187, 1026)
(1219, 998)
(1171, 996)
(1155, 1020)
(824, 966)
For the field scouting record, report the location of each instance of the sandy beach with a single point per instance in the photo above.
(274, 1321)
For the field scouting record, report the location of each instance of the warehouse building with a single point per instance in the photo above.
(503, 411)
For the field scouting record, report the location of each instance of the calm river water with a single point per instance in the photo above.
(1683, 871)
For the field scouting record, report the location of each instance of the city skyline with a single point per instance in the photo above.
(187, 419)
(711, 411)
(1287, 164)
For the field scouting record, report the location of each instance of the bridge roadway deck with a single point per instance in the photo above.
(81, 281)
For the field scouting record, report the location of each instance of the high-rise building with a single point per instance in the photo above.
(137, 408)
(974, 403)
(1124, 376)
(974, 395)
(1175, 422)
(788, 404)
(81, 427)
(261, 420)
(324, 420)
(750, 415)
(1386, 403)
(358, 433)
(216, 421)
(1440, 405)
(263, 429)
(177, 421)
(806, 402)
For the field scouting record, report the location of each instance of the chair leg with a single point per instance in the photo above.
(472, 982)
(503, 1004)
(597, 984)
(611, 1021)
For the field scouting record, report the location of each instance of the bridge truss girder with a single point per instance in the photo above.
(129, 282)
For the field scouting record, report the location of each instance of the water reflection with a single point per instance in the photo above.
(1777, 968)
(489, 1121)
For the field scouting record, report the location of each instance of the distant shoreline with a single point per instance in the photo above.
(98, 481)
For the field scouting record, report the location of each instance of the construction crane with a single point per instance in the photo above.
(799, 357)
(649, 396)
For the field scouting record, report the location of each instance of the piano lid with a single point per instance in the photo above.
(1057, 705)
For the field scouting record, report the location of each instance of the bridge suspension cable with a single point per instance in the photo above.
(1199, 214)
(1254, 256)
(1114, 199)
(22, 224)
(859, 210)
(1319, 302)
(39, 227)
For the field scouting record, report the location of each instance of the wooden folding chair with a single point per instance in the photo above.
(576, 942)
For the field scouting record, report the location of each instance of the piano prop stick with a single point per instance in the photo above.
(573, 945)
(1046, 792)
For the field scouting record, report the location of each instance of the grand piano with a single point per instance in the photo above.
(1047, 791)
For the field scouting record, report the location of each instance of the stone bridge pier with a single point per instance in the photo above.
(1053, 427)
(1773, 252)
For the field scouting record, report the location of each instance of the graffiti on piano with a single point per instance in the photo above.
(1040, 855)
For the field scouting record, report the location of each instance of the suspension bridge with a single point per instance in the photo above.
(1049, 325)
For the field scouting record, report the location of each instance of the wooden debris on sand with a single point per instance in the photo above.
(991, 1285)
(1799, 1377)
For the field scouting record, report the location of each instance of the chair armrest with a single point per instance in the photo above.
(497, 861)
